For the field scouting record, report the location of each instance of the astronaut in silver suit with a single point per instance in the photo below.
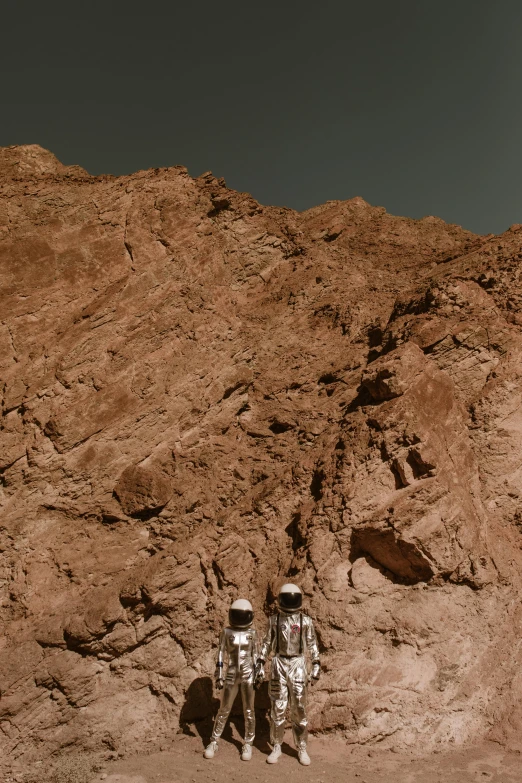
(289, 637)
(238, 643)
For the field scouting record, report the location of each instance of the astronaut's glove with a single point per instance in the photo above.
(259, 673)
(316, 671)
(218, 679)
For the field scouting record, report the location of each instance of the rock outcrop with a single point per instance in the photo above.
(202, 397)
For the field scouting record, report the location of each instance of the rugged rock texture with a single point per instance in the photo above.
(203, 396)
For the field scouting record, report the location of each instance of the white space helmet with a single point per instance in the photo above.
(290, 598)
(241, 614)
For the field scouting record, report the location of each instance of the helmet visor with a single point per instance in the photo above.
(290, 601)
(240, 618)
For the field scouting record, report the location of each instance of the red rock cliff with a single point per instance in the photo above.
(203, 396)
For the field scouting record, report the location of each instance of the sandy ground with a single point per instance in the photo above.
(332, 762)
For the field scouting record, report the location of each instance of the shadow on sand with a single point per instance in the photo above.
(201, 706)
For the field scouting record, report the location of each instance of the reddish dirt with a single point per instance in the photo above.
(332, 762)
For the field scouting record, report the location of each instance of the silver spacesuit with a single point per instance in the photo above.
(289, 637)
(239, 644)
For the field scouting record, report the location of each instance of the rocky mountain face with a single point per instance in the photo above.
(203, 397)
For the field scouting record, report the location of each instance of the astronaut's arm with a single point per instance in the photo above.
(313, 649)
(266, 644)
(259, 669)
(263, 653)
(220, 661)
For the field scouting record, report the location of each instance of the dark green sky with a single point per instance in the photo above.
(415, 106)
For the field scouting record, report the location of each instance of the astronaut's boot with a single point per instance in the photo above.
(273, 757)
(246, 752)
(211, 750)
(303, 756)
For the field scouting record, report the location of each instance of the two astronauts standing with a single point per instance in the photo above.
(289, 638)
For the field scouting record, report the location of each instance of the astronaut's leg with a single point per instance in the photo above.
(297, 689)
(297, 686)
(278, 691)
(248, 695)
(227, 701)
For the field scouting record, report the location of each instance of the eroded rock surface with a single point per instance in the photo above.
(202, 397)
